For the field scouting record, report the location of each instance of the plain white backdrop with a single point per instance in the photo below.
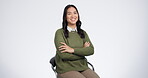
(118, 30)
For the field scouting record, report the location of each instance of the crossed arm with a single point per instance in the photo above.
(65, 48)
(69, 53)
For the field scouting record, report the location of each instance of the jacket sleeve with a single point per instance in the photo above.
(87, 50)
(59, 37)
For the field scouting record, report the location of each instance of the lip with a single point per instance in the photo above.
(73, 19)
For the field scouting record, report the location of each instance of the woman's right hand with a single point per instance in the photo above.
(86, 44)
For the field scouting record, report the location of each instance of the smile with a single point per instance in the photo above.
(73, 19)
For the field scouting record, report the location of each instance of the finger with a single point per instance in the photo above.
(63, 43)
(62, 46)
(63, 51)
(87, 43)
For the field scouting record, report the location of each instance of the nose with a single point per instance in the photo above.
(72, 15)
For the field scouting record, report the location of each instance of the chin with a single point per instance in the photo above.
(74, 22)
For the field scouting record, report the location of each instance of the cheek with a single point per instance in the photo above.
(68, 18)
(77, 16)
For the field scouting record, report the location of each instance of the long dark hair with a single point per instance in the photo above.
(65, 23)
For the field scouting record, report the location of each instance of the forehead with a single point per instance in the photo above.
(71, 9)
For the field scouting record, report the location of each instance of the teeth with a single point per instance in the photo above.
(73, 19)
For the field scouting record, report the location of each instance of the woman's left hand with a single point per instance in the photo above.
(65, 48)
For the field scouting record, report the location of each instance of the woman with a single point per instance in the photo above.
(73, 44)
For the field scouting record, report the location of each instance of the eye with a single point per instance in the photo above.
(68, 13)
(75, 12)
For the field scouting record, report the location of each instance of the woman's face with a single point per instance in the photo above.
(72, 16)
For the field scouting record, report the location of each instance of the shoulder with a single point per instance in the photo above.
(84, 32)
(59, 31)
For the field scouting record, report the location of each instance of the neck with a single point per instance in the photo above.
(72, 26)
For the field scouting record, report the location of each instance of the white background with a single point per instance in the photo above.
(118, 30)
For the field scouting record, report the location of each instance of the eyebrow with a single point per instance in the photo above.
(71, 12)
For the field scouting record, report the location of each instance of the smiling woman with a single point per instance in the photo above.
(72, 45)
(72, 17)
